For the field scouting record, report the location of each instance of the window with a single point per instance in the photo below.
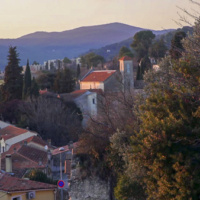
(93, 101)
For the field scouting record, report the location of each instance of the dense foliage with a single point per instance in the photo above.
(13, 79)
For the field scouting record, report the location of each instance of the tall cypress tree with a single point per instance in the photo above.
(27, 81)
(34, 89)
(78, 71)
(13, 79)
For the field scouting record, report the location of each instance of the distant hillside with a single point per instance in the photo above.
(112, 50)
(41, 46)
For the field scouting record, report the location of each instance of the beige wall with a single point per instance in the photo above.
(91, 85)
(40, 195)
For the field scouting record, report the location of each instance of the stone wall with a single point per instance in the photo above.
(91, 188)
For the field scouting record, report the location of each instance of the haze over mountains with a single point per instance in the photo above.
(41, 46)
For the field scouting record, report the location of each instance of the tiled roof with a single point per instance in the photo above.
(11, 131)
(126, 58)
(98, 76)
(13, 184)
(17, 146)
(33, 154)
(25, 157)
(78, 93)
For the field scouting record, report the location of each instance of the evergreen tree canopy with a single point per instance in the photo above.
(91, 60)
(27, 81)
(78, 72)
(165, 152)
(176, 45)
(13, 79)
(141, 43)
(64, 81)
(158, 49)
(124, 51)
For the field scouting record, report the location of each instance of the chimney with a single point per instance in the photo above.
(8, 163)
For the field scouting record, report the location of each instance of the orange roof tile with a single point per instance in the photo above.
(11, 131)
(126, 58)
(98, 76)
(12, 184)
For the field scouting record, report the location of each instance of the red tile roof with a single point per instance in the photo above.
(126, 58)
(98, 76)
(12, 184)
(78, 93)
(11, 131)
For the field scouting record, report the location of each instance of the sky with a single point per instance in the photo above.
(21, 17)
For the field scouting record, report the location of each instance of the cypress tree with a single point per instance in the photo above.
(27, 81)
(13, 79)
(78, 71)
(34, 88)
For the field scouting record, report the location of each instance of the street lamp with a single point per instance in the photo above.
(61, 189)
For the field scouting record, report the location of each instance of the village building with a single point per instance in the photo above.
(10, 135)
(13, 188)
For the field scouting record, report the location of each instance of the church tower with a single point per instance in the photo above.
(126, 69)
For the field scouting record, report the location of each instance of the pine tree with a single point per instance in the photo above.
(27, 81)
(13, 79)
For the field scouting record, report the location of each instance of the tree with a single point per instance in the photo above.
(141, 43)
(78, 72)
(91, 60)
(38, 175)
(34, 88)
(35, 63)
(53, 118)
(64, 81)
(143, 67)
(176, 45)
(67, 60)
(124, 51)
(13, 79)
(46, 80)
(158, 49)
(165, 151)
(27, 81)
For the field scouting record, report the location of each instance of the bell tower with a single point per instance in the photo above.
(126, 69)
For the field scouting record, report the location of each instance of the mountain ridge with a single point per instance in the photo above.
(41, 45)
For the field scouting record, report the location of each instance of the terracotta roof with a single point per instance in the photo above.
(78, 93)
(11, 131)
(13, 184)
(25, 157)
(16, 146)
(98, 76)
(126, 58)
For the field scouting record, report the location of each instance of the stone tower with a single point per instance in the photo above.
(126, 69)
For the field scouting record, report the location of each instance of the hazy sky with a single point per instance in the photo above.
(20, 17)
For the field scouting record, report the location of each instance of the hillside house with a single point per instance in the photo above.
(110, 80)
(13, 188)
(101, 79)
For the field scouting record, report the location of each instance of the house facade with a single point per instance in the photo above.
(13, 188)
